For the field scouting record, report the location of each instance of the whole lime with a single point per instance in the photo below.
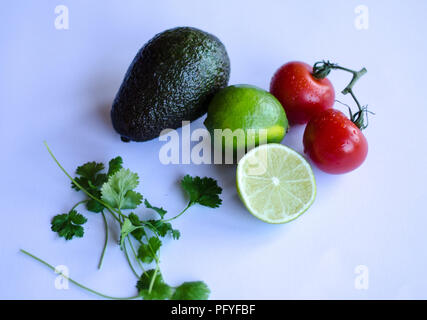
(244, 116)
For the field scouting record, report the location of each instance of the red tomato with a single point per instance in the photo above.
(334, 143)
(300, 93)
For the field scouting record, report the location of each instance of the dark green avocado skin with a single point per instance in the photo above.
(172, 78)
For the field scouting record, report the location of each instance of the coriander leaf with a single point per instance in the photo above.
(160, 211)
(118, 190)
(94, 206)
(91, 180)
(76, 218)
(134, 219)
(90, 169)
(159, 291)
(131, 200)
(114, 165)
(147, 251)
(127, 227)
(162, 228)
(89, 176)
(68, 225)
(99, 180)
(176, 234)
(139, 232)
(81, 181)
(204, 191)
(196, 290)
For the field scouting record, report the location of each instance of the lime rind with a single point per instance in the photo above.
(280, 189)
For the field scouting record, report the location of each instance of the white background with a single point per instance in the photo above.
(58, 85)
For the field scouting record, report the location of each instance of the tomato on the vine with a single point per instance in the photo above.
(334, 143)
(301, 94)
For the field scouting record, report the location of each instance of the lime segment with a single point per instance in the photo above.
(275, 183)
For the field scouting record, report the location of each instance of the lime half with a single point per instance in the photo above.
(275, 183)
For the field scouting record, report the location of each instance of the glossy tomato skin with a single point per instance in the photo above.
(300, 93)
(334, 143)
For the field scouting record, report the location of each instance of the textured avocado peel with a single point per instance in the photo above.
(172, 78)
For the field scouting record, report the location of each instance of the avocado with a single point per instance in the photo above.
(172, 78)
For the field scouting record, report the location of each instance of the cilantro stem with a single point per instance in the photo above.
(79, 203)
(76, 183)
(153, 278)
(128, 259)
(156, 258)
(114, 216)
(121, 216)
(134, 253)
(185, 209)
(75, 282)
(105, 241)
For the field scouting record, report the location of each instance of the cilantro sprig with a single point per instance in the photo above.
(68, 225)
(90, 178)
(113, 191)
(204, 191)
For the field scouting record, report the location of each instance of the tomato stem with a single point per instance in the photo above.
(321, 69)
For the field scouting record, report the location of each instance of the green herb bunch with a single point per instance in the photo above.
(113, 192)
